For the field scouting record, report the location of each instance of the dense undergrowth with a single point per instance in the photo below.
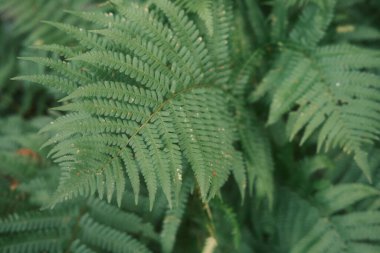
(190, 126)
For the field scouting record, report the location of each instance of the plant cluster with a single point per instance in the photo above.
(190, 126)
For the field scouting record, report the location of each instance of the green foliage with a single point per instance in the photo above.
(325, 230)
(336, 97)
(190, 126)
(76, 226)
(94, 226)
(332, 89)
(164, 90)
(26, 17)
(21, 30)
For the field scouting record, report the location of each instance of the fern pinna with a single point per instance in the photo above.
(147, 93)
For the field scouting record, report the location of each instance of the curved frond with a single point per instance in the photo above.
(335, 91)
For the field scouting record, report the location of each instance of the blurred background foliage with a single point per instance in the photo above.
(22, 29)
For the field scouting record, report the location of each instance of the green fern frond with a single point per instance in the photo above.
(154, 145)
(50, 241)
(99, 235)
(316, 17)
(147, 106)
(173, 218)
(65, 69)
(124, 221)
(255, 19)
(311, 23)
(52, 81)
(227, 234)
(339, 197)
(27, 15)
(335, 90)
(36, 221)
(93, 226)
(259, 159)
(311, 231)
(203, 8)
(35, 232)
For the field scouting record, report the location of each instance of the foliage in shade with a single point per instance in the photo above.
(156, 104)
(190, 126)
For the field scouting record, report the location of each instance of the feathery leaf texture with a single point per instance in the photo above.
(92, 226)
(78, 225)
(152, 105)
(154, 118)
(335, 91)
(259, 159)
(332, 90)
(313, 230)
(27, 15)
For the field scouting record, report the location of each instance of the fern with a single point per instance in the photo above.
(20, 29)
(90, 226)
(331, 88)
(163, 91)
(325, 102)
(95, 227)
(158, 141)
(26, 18)
(311, 231)
(204, 11)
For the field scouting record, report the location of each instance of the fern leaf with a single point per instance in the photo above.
(37, 242)
(334, 89)
(119, 92)
(36, 221)
(219, 41)
(196, 128)
(256, 20)
(131, 66)
(109, 239)
(85, 38)
(187, 32)
(132, 171)
(258, 158)
(150, 101)
(173, 219)
(26, 18)
(121, 220)
(103, 227)
(147, 166)
(149, 27)
(35, 232)
(343, 195)
(279, 20)
(316, 17)
(51, 81)
(203, 8)
(67, 70)
(312, 232)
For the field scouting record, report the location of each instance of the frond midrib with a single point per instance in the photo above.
(119, 151)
